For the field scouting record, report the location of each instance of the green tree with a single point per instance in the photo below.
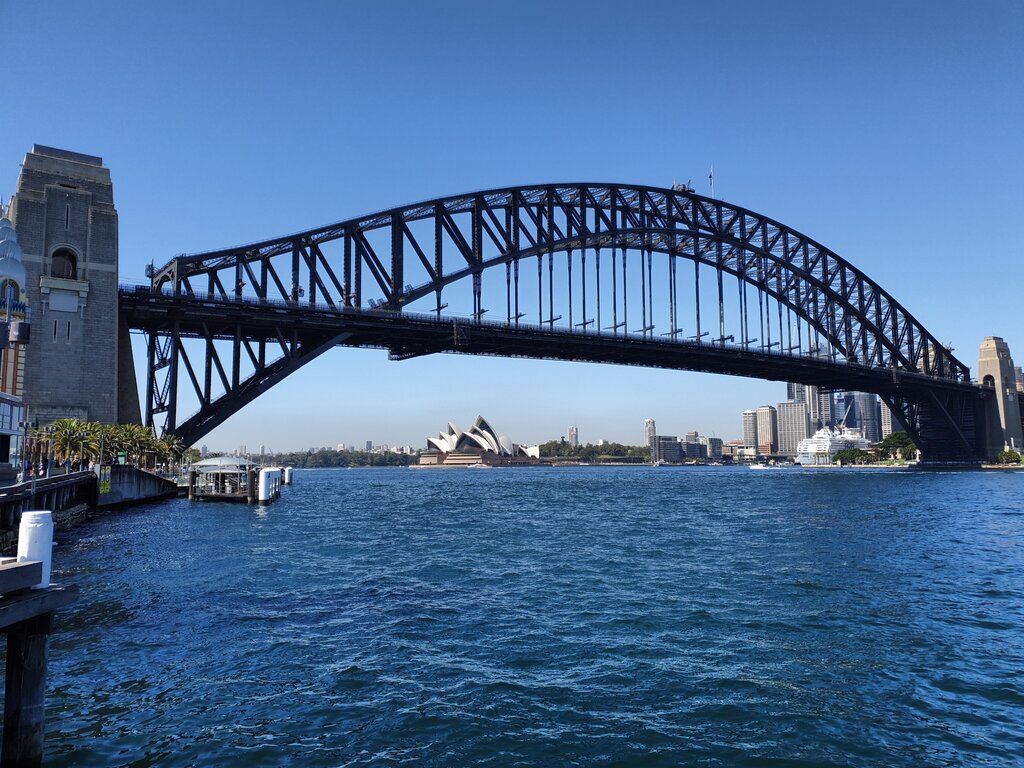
(1008, 457)
(852, 456)
(897, 444)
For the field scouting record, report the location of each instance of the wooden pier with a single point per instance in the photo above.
(231, 479)
(26, 617)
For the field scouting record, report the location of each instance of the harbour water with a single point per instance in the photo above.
(576, 616)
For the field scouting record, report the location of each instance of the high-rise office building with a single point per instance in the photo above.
(887, 421)
(869, 417)
(750, 429)
(767, 430)
(826, 409)
(794, 426)
(797, 392)
(573, 436)
(649, 433)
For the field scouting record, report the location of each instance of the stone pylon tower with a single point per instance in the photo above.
(996, 370)
(66, 222)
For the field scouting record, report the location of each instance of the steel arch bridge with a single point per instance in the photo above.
(587, 272)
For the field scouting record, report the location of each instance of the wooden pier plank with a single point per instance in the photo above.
(16, 576)
(23, 606)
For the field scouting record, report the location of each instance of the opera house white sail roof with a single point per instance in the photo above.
(480, 437)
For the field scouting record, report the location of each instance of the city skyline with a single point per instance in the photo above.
(874, 193)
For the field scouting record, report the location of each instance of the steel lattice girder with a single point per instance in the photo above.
(858, 318)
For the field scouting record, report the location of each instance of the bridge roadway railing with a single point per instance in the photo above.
(454, 319)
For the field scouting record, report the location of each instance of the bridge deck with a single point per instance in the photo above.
(407, 335)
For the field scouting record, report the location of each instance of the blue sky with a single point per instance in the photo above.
(891, 132)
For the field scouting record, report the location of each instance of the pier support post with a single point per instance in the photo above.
(25, 686)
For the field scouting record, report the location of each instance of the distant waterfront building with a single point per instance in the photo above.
(573, 436)
(666, 448)
(714, 446)
(204, 452)
(794, 426)
(649, 433)
(369, 445)
(1019, 375)
(767, 430)
(692, 437)
(694, 450)
(750, 429)
(733, 449)
(601, 442)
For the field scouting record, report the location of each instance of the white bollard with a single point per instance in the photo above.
(268, 484)
(287, 475)
(35, 542)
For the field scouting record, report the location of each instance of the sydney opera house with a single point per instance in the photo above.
(478, 445)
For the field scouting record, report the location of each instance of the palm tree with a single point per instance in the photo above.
(142, 443)
(170, 448)
(64, 433)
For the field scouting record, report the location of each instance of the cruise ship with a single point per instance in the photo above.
(823, 445)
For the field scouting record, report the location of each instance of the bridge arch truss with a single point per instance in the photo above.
(623, 264)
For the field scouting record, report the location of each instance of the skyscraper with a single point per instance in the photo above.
(767, 430)
(869, 418)
(750, 429)
(826, 409)
(794, 426)
(887, 423)
(649, 433)
(573, 436)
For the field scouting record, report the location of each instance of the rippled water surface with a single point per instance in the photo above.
(583, 616)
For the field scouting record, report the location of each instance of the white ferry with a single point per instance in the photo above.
(822, 447)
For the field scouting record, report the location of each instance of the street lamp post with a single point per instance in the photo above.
(49, 449)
